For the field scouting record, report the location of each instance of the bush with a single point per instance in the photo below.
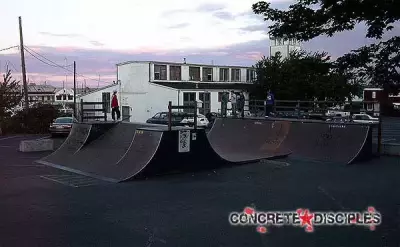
(37, 119)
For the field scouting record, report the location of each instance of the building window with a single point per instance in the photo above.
(42, 98)
(250, 75)
(160, 72)
(48, 98)
(235, 74)
(206, 107)
(223, 74)
(70, 97)
(175, 73)
(189, 99)
(194, 73)
(58, 97)
(64, 96)
(207, 74)
(106, 99)
(220, 96)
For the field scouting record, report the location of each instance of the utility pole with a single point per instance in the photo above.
(21, 44)
(74, 89)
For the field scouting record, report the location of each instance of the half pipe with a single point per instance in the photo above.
(238, 140)
(313, 140)
(130, 150)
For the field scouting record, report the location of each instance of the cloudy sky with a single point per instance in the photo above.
(99, 34)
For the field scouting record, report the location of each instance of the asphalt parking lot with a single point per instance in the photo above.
(42, 206)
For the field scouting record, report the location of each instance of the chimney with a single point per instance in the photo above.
(184, 60)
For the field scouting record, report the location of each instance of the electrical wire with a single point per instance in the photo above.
(12, 65)
(8, 48)
(59, 66)
(55, 64)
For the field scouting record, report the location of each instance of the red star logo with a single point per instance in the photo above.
(248, 210)
(262, 229)
(306, 219)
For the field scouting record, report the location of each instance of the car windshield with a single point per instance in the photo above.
(63, 120)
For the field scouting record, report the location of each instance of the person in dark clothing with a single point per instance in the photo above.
(224, 103)
(269, 103)
(115, 106)
(241, 103)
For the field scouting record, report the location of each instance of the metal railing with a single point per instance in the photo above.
(192, 106)
(90, 110)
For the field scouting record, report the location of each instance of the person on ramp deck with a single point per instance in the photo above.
(115, 106)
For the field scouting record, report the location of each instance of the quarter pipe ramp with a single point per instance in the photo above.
(239, 140)
(130, 150)
(313, 140)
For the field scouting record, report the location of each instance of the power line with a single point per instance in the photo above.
(12, 65)
(55, 64)
(41, 60)
(8, 48)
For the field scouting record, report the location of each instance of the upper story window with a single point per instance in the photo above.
(235, 74)
(160, 72)
(207, 74)
(175, 73)
(250, 75)
(223, 74)
(194, 73)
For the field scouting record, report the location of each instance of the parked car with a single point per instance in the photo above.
(364, 118)
(61, 126)
(162, 118)
(339, 119)
(202, 121)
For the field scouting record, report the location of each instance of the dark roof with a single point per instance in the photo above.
(189, 64)
(208, 85)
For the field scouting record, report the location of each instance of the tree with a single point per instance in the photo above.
(378, 64)
(303, 76)
(10, 95)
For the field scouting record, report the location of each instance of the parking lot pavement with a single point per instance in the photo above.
(42, 206)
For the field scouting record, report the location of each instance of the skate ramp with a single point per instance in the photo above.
(130, 151)
(328, 142)
(80, 135)
(246, 140)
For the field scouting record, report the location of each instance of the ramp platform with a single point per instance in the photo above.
(128, 150)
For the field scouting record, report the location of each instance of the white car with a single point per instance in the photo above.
(364, 118)
(202, 121)
(337, 113)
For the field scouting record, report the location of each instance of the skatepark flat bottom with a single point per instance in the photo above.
(192, 209)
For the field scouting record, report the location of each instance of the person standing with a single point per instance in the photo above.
(241, 103)
(115, 106)
(269, 103)
(224, 103)
(234, 103)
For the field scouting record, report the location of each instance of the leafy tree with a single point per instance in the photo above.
(377, 64)
(303, 76)
(10, 96)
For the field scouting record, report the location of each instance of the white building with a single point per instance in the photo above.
(145, 87)
(284, 46)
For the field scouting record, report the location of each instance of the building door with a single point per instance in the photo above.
(126, 113)
(106, 99)
(188, 99)
(206, 108)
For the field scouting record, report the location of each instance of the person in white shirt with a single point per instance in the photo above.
(234, 103)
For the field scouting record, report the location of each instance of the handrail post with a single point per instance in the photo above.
(82, 110)
(169, 115)
(195, 115)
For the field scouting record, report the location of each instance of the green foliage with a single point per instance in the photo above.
(37, 119)
(10, 95)
(303, 76)
(377, 64)
(307, 19)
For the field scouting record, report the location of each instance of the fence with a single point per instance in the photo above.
(95, 111)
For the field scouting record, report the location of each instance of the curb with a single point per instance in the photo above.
(38, 145)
